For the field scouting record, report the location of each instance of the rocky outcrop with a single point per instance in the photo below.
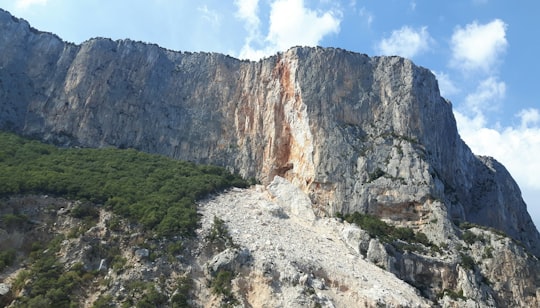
(353, 132)
(293, 261)
(273, 260)
(297, 262)
(101, 261)
(329, 131)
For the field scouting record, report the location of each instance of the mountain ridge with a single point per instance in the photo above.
(285, 115)
(351, 132)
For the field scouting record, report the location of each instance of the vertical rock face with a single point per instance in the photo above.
(353, 132)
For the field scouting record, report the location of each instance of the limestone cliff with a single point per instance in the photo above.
(355, 133)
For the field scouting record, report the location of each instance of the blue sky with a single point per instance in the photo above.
(482, 51)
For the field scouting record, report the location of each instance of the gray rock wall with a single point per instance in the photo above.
(355, 133)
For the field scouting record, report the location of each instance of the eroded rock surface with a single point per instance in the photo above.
(342, 131)
(294, 260)
(354, 133)
(301, 262)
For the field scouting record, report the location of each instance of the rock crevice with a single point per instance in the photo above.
(355, 133)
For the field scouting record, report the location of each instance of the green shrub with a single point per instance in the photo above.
(219, 234)
(12, 221)
(7, 258)
(85, 210)
(422, 238)
(467, 261)
(469, 237)
(103, 301)
(467, 225)
(114, 223)
(118, 263)
(221, 285)
(387, 233)
(156, 191)
(488, 252)
(373, 225)
(181, 298)
(46, 281)
(452, 294)
(175, 248)
(151, 299)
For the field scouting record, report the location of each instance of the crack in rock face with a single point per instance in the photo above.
(327, 131)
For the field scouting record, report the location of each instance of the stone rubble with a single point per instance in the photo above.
(294, 253)
(349, 132)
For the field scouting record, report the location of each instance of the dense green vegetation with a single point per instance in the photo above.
(51, 285)
(467, 261)
(385, 232)
(221, 285)
(7, 257)
(155, 191)
(219, 235)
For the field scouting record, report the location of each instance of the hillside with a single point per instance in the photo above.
(261, 246)
(331, 135)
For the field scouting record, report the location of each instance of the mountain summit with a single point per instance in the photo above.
(348, 132)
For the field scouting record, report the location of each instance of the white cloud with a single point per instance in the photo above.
(211, 16)
(406, 42)
(478, 47)
(293, 24)
(529, 117)
(446, 86)
(290, 24)
(487, 96)
(247, 11)
(367, 15)
(24, 4)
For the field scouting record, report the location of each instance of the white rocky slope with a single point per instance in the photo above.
(297, 261)
(292, 255)
(279, 255)
(283, 256)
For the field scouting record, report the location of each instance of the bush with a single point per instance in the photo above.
(103, 301)
(488, 252)
(151, 299)
(85, 210)
(467, 262)
(181, 298)
(7, 258)
(46, 281)
(219, 233)
(221, 284)
(385, 232)
(12, 221)
(453, 294)
(469, 237)
(175, 248)
(156, 191)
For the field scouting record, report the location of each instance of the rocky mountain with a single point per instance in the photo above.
(343, 131)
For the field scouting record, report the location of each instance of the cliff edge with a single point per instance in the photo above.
(351, 132)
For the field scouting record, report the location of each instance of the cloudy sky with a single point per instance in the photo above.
(482, 51)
